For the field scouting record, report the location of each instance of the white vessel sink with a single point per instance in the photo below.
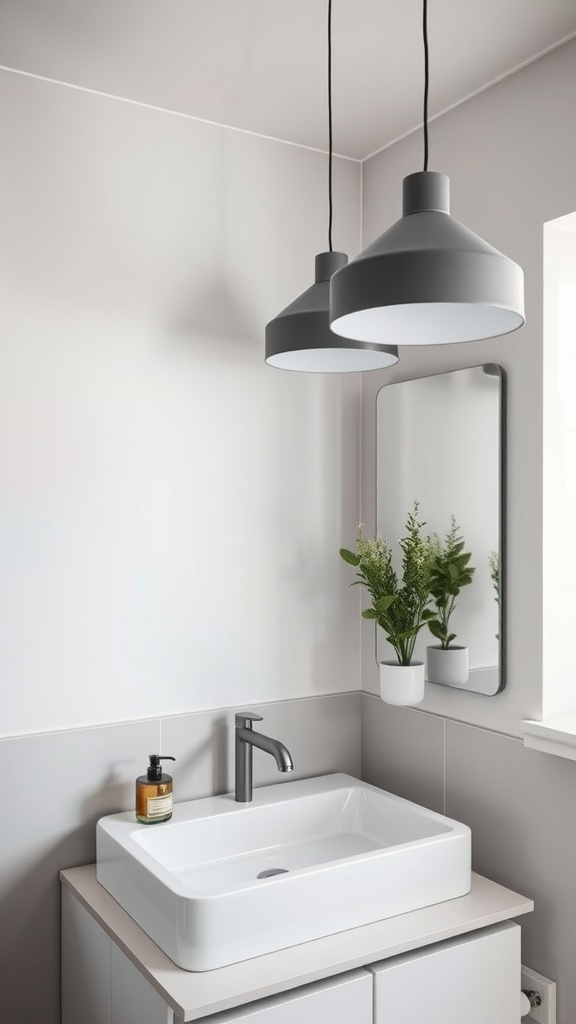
(343, 854)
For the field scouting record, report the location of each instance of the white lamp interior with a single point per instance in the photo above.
(427, 323)
(332, 360)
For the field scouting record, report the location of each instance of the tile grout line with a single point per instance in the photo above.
(443, 766)
(458, 721)
(91, 726)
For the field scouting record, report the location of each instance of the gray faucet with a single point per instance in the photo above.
(246, 740)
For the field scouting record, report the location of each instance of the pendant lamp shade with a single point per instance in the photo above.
(299, 338)
(428, 280)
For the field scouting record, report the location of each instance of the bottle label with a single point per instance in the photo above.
(159, 806)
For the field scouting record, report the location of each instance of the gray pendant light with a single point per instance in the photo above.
(299, 338)
(428, 280)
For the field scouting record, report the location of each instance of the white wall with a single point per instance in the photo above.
(559, 492)
(511, 154)
(171, 509)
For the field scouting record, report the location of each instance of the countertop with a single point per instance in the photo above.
(194, 995)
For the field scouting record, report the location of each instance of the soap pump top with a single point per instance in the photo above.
(154, 771)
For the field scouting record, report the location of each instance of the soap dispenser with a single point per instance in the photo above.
(154, 792)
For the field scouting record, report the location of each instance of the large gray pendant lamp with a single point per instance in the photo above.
(299, 338)
(428, 280)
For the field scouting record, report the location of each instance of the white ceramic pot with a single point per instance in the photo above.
(449, 667)
(402, 684)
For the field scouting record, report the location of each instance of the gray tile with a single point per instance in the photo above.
(321, 733)
(199, 742)
(60, 784)
(519, 804)
(403, 752)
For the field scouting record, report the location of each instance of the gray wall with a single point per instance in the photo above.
(62, 782)
(518, 803)
(511, 155)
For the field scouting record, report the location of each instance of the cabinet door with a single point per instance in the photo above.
(472, 979)
(346, 999)
(99, 984)
(85, 966)
(132, 998)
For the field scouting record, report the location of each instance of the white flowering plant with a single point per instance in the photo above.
(399, 605)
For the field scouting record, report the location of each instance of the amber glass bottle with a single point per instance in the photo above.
(154, 793)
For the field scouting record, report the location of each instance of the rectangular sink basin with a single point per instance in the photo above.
(224, 881)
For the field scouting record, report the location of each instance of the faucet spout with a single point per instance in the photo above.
(275, 747)
(246, 738)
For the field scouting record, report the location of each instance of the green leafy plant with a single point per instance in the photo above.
(451, 572)
(398, 606)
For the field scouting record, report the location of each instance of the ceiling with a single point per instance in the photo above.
(260, 65)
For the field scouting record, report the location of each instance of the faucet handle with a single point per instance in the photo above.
(244, 719)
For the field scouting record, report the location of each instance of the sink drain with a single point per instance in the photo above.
(272, 871)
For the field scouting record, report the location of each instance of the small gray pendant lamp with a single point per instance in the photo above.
(428, 280)
(299, 338)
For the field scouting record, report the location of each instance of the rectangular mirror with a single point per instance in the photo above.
(440, 441)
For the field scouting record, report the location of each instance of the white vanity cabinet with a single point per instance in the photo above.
(345, 999)
(456, 962)
(474, 979)
(101, 986)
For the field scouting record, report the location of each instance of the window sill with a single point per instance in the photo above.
(553, 736)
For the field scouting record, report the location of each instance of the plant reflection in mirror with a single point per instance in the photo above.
(399, 606)
(494, 562)
(450, 573)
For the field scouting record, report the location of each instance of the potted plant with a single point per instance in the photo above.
(399, 605)
(447, 662)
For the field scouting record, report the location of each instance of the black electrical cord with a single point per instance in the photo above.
(330, 125)
(426, 78)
